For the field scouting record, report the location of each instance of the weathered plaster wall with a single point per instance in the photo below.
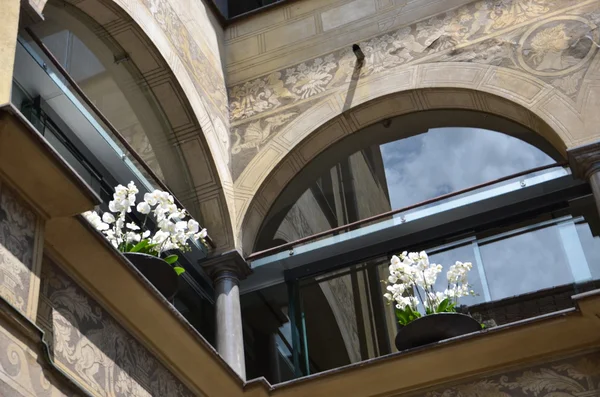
(21, 231)
(93, 348)
(575, 376)
(8, 43)
(534, 62)
(292, 33)
(21, 372)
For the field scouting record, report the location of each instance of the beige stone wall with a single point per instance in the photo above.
(534, 62)
(573, 376)
(21, 233)
(21, 372)
(301, 30)
(8, 43)
(92, 348)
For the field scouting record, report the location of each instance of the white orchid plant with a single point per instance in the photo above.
(173, 231)
(411, 283)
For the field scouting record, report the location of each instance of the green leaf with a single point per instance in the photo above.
(443, 306)
(171, 259)
(179, 270)
(139, 246)
(402, 317)
(149, 249)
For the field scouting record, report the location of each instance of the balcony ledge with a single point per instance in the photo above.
(28, 161)
(522, 343)
(116, 284)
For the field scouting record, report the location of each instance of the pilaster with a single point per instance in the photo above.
(585, 164)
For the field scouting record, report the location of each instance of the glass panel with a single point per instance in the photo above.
(104, 71)
(526, 262)
(465, 253)
(591, 247)
(35, 75)
(397, 174)
(444, 160)
(346, 317)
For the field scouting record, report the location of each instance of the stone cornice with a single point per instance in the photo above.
(42, 175)
(229, 264)
(585, 160)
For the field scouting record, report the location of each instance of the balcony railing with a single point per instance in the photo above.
(87, 141)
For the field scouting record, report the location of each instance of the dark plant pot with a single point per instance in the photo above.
(157, 271)
(435, 328)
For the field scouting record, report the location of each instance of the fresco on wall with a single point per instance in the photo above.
(93, 348)
(20, 370)
(521, 35)
(575, 377)
(17, 240)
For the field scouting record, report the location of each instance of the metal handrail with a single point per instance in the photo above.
(106, 122)
(283, 247)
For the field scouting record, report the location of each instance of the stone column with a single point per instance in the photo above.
(585, 164)
(226, 271)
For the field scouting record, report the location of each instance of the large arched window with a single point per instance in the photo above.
(111, 78)
(393, 175)
(527, 239)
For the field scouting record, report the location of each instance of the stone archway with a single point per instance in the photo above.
(501, 92)
(185, 79)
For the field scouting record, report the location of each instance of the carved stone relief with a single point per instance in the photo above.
(18, 225)
(93, 348)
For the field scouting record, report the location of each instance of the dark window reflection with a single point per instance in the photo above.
(394, 175)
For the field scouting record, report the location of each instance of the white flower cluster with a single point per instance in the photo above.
(173, 231)
(412, 280)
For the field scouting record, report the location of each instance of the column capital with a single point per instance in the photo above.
(229, 264)
(585, 160)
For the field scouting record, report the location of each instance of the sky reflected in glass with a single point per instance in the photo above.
(444, 160)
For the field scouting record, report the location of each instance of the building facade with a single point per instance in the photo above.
(314, 139)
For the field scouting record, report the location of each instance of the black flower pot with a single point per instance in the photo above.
(157, 271)
(435, 328)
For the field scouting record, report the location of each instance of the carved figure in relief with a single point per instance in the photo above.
(570, 83)
(255, 135)
(223, 136)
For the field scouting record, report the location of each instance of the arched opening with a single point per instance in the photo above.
(118, 68)
(542, 217)
(131, 68)
(109, 76)
(398, 162)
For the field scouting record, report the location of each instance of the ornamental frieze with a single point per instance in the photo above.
(554, 41)
(574, 377)
(93, 348)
